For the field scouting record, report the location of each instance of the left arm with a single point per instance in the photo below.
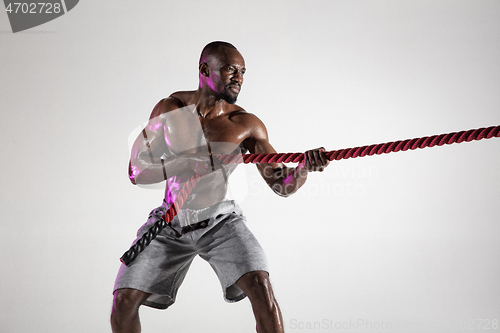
(283, 180)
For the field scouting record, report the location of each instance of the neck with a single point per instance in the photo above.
(209, 105)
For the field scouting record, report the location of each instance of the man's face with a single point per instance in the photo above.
(226, 75)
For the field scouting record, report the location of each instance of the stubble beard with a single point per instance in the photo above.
(229, 99)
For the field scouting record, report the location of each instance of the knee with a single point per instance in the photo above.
(125, 304)
(258, 286)
(259, 280)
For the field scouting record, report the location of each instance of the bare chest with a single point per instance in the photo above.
(187, 132)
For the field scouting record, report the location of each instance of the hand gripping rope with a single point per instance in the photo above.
(381, 148)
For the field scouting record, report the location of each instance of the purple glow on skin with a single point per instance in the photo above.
(288, 180)
(155, 127)
(134, 172)
(167, 141)
(210, 82)
(173, 186)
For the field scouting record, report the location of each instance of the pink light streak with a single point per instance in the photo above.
(288, 180)
(173, 187)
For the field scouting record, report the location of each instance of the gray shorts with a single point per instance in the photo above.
(226, 243)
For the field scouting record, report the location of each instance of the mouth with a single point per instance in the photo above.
(234, 88)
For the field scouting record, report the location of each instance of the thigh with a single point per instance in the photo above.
(160, 269)
(232, 251)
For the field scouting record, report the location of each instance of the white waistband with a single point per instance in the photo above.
(188, 216)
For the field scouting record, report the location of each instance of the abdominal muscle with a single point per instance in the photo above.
(211, 189)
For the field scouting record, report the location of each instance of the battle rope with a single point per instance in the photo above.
(381, 148)
(159, 225)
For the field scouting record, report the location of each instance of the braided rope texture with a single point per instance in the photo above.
(159, 225)
(378, 149)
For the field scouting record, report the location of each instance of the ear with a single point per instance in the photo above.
(204, 69)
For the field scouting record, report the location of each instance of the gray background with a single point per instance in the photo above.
(408, 238)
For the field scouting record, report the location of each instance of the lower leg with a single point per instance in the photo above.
(257, 287)
(125, 311)
(268, 320)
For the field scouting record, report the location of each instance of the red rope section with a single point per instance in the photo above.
(381, 148)
(156, 228)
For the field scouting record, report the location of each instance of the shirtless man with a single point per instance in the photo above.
(184, 133)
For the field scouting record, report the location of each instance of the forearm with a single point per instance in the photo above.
(286, 181)
(151, 174)
(145, 172)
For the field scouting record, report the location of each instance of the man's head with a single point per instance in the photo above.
(221, 69)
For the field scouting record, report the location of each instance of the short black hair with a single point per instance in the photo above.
(212, 48)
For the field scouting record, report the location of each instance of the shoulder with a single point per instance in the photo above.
(254, 126)
(175, 101)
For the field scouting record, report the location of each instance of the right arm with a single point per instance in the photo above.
(146, 165)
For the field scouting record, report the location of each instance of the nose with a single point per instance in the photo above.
(238, 77)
